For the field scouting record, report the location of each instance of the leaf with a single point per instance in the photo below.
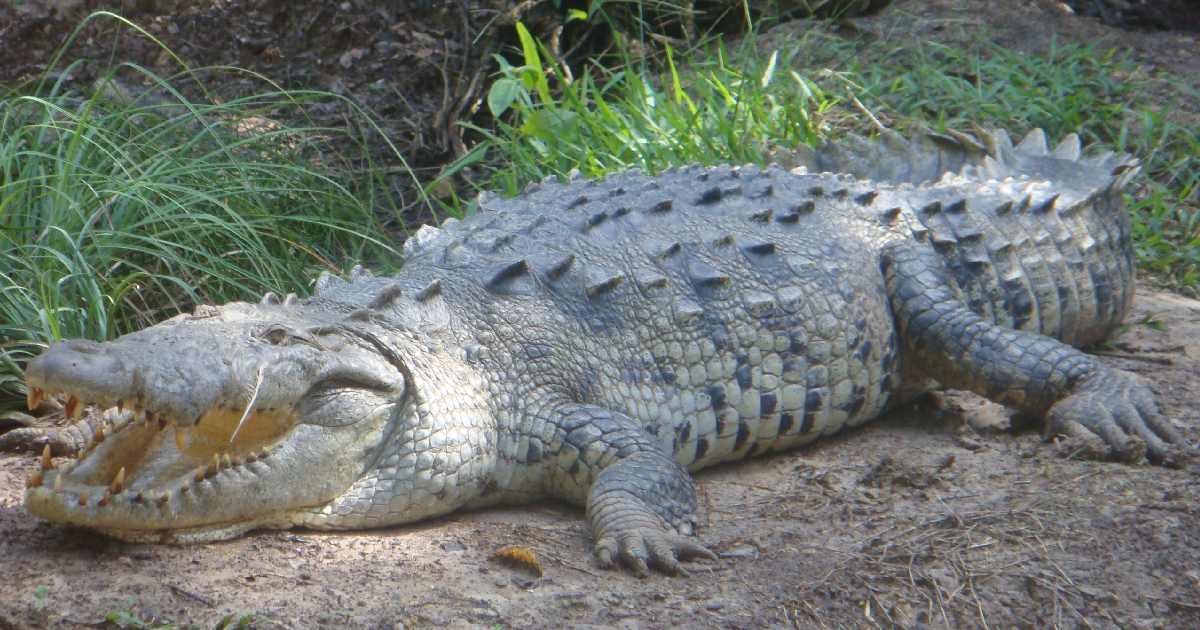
(504, 91)
(576, 14)
(549, 124)
(519, 557)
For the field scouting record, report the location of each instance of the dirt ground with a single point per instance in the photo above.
(935, 516)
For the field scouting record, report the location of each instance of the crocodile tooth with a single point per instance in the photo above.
(180, 438)
(73, 409)
(104, 499)
(47, 463)
(99, 436)
(226, 462)
(120, 405)
(58, 482)
(139, 497)
(118, 482)
(213, 466)
(34, 397)
(83, 499)
(34, 480)
(198, 476)
(162, 499)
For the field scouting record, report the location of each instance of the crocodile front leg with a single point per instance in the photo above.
(640, 502)
(1103, 412)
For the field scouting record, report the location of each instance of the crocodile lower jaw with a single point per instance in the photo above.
(143, 473)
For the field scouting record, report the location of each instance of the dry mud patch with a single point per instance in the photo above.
(920, 518)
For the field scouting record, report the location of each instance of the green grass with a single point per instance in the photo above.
(116, 214)
(738, 104)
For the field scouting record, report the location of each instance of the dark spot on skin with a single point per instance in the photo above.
(701, 447)
(797, 344)
(766, 404)
(813, 401)
(809, 419)
(685, 433)
(535, 453)
(752, 450)
(857, 399)
(864, 351)
(744, 377)
(786, 421)
(743, 434)
(717, 394)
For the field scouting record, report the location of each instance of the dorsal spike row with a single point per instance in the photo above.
(889, 216)
(558, 268)
(665, 250)
(706, 275)
(759, 248)
(431, 290)
(508, 272)
(578, 201)
(762, 216)
(601, 282)
(1047, 205)
(711, 195)
(389, 294)
(767, 191)
(621, 211)
(663, 206)
(597, 219)
(1034, 143)
(616, 192)
(958, 207)
(841, 193)
(932, 209)
(1004, 208)
(724, 240)
(1070, 148)
(650, 279)
(793, 213)
(865, 199)
(816, 191)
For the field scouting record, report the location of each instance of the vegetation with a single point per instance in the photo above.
(119, 211)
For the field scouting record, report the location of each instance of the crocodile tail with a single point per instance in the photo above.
(1036, 238)
(929, 156)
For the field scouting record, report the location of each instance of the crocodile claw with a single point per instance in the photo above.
(1112, 414)
(638, 538)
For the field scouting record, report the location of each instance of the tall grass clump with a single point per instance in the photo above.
(718, 108)
(739, 103)
(116, 213)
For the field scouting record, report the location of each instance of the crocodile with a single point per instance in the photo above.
(597, 341)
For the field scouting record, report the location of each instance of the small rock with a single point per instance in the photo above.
(741, 551)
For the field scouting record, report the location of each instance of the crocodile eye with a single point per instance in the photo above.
(275, 335)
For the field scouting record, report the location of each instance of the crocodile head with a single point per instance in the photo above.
(234, 418)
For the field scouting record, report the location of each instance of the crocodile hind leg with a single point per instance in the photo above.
(1101, 411)
(640, 502)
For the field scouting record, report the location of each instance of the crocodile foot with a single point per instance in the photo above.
(1112, 414)
(629, 532)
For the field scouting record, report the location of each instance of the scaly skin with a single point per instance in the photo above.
(595, 341)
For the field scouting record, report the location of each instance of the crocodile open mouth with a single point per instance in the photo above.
(140, 456)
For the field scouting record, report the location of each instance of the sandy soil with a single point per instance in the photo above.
(935, 516)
